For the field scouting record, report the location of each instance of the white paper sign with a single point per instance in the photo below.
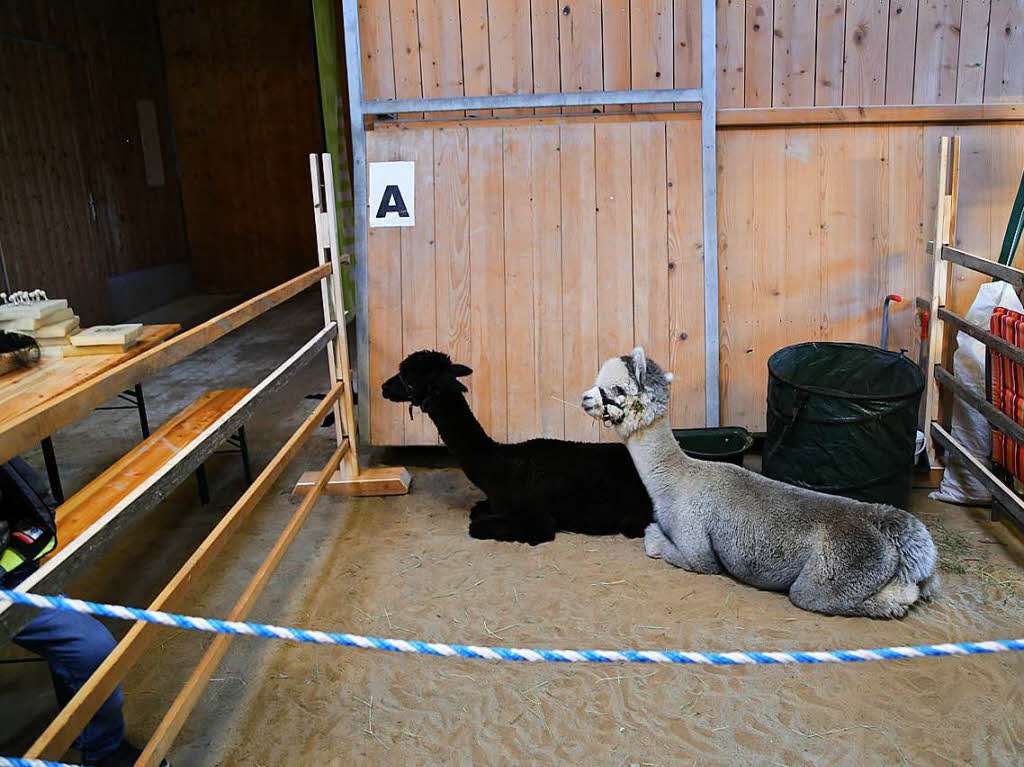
(392, 194)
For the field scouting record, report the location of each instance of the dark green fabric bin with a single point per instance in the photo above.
(842, 419)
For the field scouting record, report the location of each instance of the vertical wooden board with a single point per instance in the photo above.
(650, 35)
(579, 277)
(686, 273)
(384, 307)
(650, 239)
(869, 177)
(769, 270)
(547, 280)
(579, 45)
(687, 44)
(451, 230)
(839, 213)
(440, 50)
(867, 33)
(405, 44)
(476, 51)
(522, 393)
(828, 78)
(375, 47)
(899, 68)
(487, 270)
(793, 55)
(508, 26)
(938, 43)
(614, 263)
(419, 282)
(803, 288)
(1004, 70)
(547, 76)
(615, 31)
(970, 78)
(736, 212)
(758, 59)
(978, 182)
(908, 266)
(730, 53)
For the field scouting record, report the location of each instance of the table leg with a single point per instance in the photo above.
(52, 471)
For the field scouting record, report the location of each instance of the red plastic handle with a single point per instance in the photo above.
(894, 297)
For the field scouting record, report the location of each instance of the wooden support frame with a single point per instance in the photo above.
(349, 479)
(57, 738)
(944, 233)
(993, 269)
(1008, 500)
(182, 706)
(58, 571)
(342, 470)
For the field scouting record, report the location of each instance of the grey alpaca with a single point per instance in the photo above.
(833, 555)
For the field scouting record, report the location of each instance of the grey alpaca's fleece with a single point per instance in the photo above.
(832, 554)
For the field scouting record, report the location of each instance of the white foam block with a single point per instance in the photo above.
(108, 335)
(35, 309)
(56, 329)
(32, 323)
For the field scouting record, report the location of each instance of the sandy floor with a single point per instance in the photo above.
(406, 567)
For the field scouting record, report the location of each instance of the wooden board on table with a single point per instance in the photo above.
(23, 390)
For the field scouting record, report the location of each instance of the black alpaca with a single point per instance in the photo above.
(535, 487)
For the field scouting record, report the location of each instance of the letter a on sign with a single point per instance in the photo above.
(392, 197)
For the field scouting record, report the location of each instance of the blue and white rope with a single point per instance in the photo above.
(510, 653)
(13, 761)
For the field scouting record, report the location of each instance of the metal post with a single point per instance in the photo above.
(140, 403)
(354, 72)
(709, 189)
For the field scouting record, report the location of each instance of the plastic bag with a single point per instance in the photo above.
(970, 428)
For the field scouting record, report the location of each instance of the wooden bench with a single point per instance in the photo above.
(91, 502)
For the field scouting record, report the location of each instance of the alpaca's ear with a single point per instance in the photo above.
(670, 377)
(461, 370)
(639, 364)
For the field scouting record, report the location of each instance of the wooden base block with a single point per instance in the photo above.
(382, 480)
(929, 479)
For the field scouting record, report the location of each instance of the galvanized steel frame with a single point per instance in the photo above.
(706, 96)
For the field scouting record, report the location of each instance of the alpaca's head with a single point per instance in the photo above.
(630, 392)
(422, 375)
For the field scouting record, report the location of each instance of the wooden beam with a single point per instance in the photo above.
(381, 480)
(996, 418)
(731, 119)
(1010, 502)
(174, 719)
(71, 720)
(990, 340)
(59, 571)
(940, 287)
(28, 430)
(993, 269)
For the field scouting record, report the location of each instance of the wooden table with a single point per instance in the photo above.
(33, 388)
(29, 388)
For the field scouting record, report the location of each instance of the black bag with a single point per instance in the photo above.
(842, 419)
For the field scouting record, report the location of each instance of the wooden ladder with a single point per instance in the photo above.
(349, 479)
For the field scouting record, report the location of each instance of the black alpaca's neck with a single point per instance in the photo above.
(458, 427)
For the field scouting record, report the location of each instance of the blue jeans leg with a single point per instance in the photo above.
(74, 645)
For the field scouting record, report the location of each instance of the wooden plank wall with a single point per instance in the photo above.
(545, 249)
(538, 252)
(75, 205)
(246, 111)
(771, 52)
